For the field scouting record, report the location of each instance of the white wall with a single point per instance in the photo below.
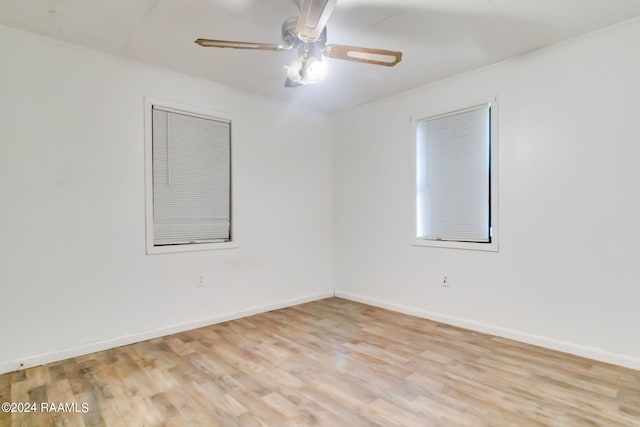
(566, 275)
(74, 276)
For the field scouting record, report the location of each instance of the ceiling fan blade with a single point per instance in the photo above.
(314, 15)
(388, 58)
(240, 45)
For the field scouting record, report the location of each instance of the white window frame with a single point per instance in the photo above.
(149, 103)
(492, 246)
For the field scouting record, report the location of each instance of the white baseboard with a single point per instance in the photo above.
(551, 343)
(54, 356)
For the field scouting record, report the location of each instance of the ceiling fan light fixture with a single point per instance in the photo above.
(314, 70)
(306, 69)
(293, 70)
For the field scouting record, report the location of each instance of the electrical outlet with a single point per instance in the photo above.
(444, 280)
(200, 281)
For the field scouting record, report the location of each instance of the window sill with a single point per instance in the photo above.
(487, 247)
(169, 249)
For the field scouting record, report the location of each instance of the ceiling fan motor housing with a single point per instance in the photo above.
(291, 38)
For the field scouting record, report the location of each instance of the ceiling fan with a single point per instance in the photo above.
(308, 34)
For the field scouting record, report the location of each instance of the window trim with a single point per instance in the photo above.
(149, 103)
(492, 246)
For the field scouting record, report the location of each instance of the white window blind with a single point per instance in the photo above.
(191, 178)
(453, 177)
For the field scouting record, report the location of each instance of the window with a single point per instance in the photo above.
(455, 180)
(188, 180)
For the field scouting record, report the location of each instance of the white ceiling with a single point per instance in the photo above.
(439, 38)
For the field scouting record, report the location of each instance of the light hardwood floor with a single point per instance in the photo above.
(329, 363)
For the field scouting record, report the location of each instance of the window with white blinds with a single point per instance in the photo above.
(453, 177)
(191, 174)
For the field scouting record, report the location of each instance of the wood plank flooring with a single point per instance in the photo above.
(329, 363)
